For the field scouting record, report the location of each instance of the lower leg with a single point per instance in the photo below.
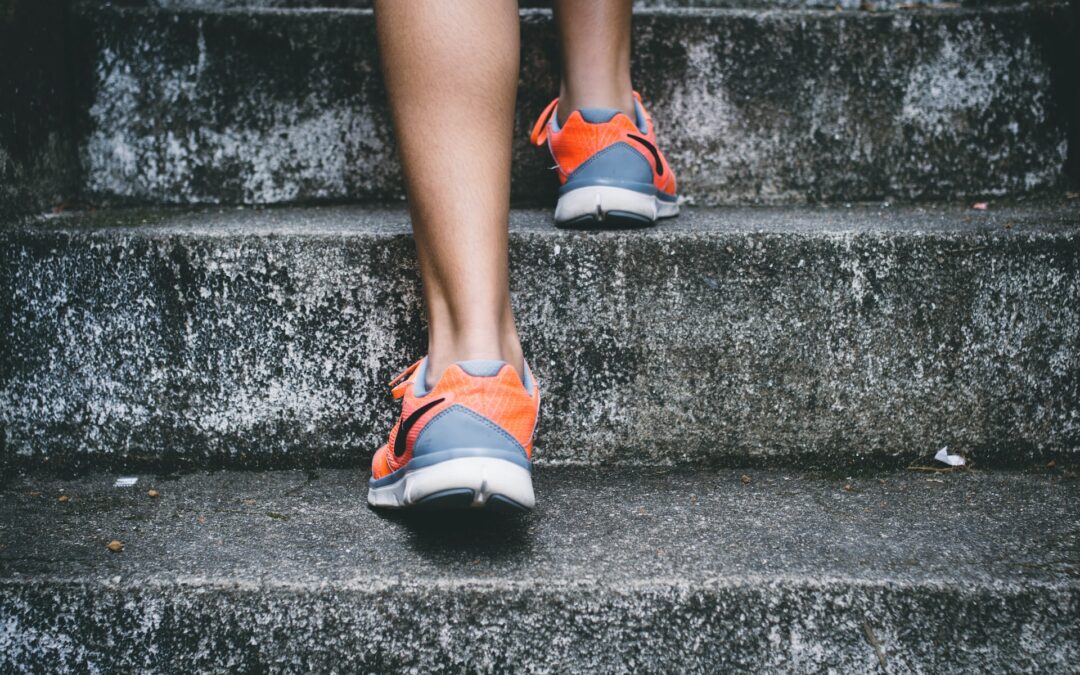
(595, 49)
(451, 71)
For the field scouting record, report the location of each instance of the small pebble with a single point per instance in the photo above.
(63, 499)
(115, 546)
(153, 493)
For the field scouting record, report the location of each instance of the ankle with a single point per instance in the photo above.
(443, 353)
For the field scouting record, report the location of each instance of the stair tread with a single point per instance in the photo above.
(529, 13)
(634, 527)
(640, 7)
(1044, 215)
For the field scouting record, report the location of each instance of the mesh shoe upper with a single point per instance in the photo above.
(580, 140)
(492, 407)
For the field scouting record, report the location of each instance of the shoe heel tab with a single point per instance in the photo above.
(493, 367)
(598, 115)
(416, 374)
(641, 116)
(482, 367)
(540, 130)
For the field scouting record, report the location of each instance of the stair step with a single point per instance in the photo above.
(615, 571)
(769, 335)
(638, 4)
(267, 106)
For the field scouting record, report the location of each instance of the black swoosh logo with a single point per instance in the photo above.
(403, 430)
(651, 148)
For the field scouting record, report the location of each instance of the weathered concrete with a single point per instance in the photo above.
(864, 5)
(828, 336)
(271, 105)
(38, 150)
(616, 571)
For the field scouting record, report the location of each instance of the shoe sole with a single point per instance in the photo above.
(608, 207)
(462, 483)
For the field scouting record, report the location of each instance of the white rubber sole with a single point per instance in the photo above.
(446, 485)
(600, 203)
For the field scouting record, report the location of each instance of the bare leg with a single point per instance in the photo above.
(451, 72)
(595, 47)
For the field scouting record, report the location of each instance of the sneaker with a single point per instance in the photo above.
(611, 172)
(464, 443)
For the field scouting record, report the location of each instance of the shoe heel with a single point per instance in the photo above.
(460, 482)
(607, 206)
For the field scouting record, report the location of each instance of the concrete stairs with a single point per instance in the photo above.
(618, 570)
(734, 464)
(265, 106)
(792, 336)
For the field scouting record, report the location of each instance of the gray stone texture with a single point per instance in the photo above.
(854, 340)
(616, 571)
(264, 106)
(810, 336)
(38, 150)
(865, 5)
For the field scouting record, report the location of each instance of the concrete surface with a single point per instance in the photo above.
(638, 4)
(274, 105)
(39, 163)
(813, 336)
(617, 570)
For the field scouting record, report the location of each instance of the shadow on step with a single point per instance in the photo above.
(449, 535)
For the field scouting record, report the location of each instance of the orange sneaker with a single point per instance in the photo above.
(611, 172)
(466, 442)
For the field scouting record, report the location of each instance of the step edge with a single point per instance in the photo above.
(661, 583)
(87, 9)
(1052, 218)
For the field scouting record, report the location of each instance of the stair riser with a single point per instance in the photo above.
(775, 627)
(640, 4)
(270, 107)
(728, 347)
(38, 154)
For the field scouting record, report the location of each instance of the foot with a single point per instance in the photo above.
(611, 172)
(464, 443)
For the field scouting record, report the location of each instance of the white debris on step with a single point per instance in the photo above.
(125, 481)
(952, 460)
